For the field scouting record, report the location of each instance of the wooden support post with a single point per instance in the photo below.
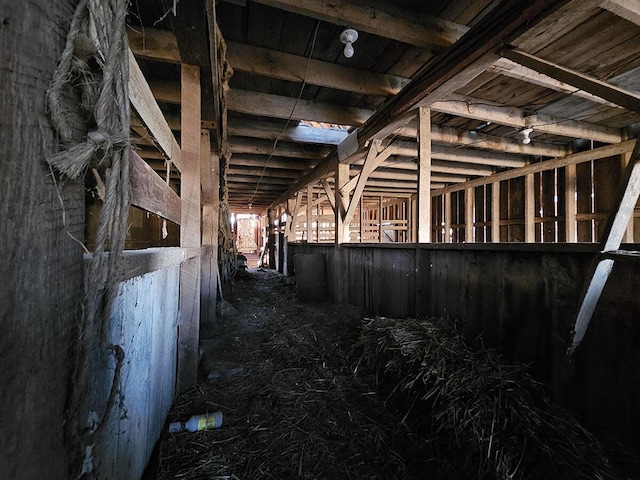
(309, 213)
(495, 212)
(468, 215)
(424, 175)
(446, 198)
(341, 203)
(380, 219)
(271, 242)
(570, 204)
(210, 178)
(615, 231)
(413, 200)
(189, 329)
(529, 209)
(628, 236)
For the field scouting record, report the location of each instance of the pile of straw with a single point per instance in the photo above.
(482, 417)
(298, 410)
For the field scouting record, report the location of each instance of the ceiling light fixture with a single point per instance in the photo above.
(526, 132)
(348, 37)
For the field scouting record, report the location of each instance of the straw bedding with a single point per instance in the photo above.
(325, 394)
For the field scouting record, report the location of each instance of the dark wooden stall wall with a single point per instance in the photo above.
(519, 298)
(41, 265)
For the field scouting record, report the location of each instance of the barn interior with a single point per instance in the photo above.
(475, 160)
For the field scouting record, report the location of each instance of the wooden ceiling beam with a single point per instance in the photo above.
(244, 145)
(154, 44)
(389, 22)
(277, 106)
(299, 134)
(262, 172)
(444, 135)
(611, 93)
(274, 162)
(485, 110)
(161, 45)
(296, 68)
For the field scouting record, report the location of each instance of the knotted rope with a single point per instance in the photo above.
(95, 63)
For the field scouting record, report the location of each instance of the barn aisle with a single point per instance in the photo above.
(319, 392)
(291, 403)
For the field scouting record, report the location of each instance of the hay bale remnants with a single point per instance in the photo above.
(326, 394)
(298, 410)
(482, 418)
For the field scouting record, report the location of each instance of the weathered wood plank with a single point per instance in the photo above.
(616, 95)
(512, 69)
(424, 176)
(210, 180)
(613, 235)
(341, 203)
(529, 209)
(296, 68)
(572, 159)
(150, 192)
(392, 22)
(188, 331)
(154, 44)
(298, 134)
(570, 203)
(277, 106)
(484, 110)
(150, 113)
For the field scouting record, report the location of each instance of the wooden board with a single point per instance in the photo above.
(188, 332)
(150, 192)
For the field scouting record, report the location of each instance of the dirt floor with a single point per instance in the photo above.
(295, 408)
(300, 389)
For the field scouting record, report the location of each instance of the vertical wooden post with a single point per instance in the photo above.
(424, 175)
(495, 212)
(271, 242)
(446, 198)
(342, 203)
(189, 329)
(380, 219)
(628, 236)
(309, 213)
(529, 208)
(570, 203)
(468, 215)
(210, 178)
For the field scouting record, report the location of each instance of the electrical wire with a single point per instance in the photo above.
(293, 109)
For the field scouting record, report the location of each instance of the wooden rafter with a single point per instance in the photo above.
(599, 88)
(392, 22)
(484, 110)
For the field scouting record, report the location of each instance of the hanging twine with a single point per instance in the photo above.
(95, 63)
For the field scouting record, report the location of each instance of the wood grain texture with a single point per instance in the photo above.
(41, 265)
(147, 108)
(150, 192)
(188, 333)
(210, 179)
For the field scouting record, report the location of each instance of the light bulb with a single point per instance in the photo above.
(348, 37)
(348, 50)
(526, 140)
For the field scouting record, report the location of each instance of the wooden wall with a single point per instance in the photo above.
(520, 298)
(41, 264)
(144, 322)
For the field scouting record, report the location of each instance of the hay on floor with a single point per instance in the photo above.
(484, 418)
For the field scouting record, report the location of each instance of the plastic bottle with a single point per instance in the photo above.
(198, 422)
